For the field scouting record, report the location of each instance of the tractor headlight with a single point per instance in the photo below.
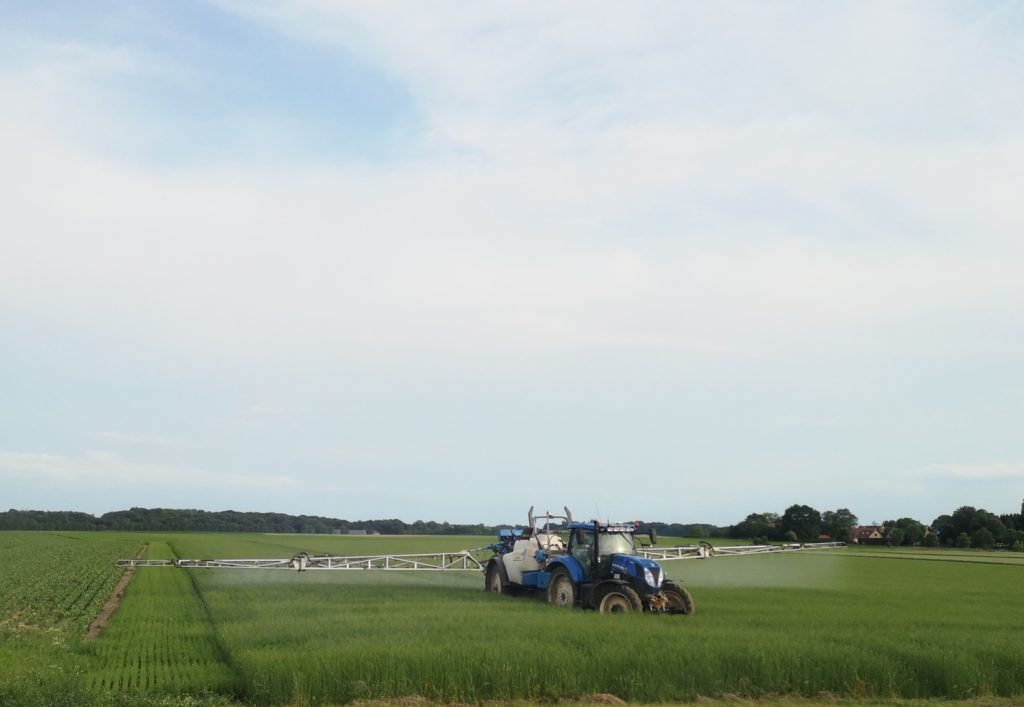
(651, 579)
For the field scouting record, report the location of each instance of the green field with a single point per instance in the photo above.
(858, 623)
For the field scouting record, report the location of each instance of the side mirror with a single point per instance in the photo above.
(653, 535)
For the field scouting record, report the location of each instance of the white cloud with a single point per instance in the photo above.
(91, 466)
(120, 438)
(404, 286)
(265, 409)
(55, 466)
(350, 258)
(539, 221)
(986, 471)
(278, 482)
(96, 467)
(590, 64)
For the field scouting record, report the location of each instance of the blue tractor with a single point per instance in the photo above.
(594, 566)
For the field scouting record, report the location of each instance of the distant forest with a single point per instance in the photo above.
(965, 527)
(191, 520)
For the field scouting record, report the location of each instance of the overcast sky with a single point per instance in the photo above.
(444, 261)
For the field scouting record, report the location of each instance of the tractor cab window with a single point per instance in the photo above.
(615, 544)
(582, 547)
(582, 541)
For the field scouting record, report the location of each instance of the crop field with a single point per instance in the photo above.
(162, 641)
(858, 623)
(52, 585)
(79, 576)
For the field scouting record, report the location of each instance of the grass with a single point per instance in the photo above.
(863, 624)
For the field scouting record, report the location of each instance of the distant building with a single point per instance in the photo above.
(362, 531)
(867, 534)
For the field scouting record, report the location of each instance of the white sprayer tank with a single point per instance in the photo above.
(522, 558)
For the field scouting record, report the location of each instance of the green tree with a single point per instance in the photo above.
(968, 519)
(990, 522)
(895, 536)
(945, 528)
(930, 540)
(838, 524)
(757, 525)
(983, 539)
(913, 531)
(803, 521)
(963, 540)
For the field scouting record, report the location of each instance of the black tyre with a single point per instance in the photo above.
(679, 599)
(493, 581)
(618, 599)
(561, 590)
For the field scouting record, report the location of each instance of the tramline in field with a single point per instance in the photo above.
(597, 566)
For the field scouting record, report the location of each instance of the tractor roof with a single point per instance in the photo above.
(604, 527)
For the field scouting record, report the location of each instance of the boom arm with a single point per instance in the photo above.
(705, 550)
(461, 561)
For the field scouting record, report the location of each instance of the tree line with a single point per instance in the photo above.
(173, 519)
(965, 527)
(192, 520)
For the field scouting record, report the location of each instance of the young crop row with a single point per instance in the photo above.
(57, 582)
(52, 585)
(796, 624)
(160, 640)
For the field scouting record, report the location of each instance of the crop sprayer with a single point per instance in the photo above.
(591, 564)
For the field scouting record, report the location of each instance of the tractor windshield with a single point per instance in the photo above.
(615, 544)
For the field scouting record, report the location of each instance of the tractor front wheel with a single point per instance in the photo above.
(619, 599)
(678, 598)
(561, 590)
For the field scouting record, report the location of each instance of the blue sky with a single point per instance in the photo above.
(199, 85)
(668, 261)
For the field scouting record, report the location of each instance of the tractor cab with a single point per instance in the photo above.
(594, 545)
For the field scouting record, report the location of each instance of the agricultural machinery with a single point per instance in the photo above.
(597, 568)
(590, 564)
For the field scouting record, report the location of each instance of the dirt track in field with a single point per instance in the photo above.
(96, 627)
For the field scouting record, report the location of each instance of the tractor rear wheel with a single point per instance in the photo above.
(678, 598)
(492, 580)
(561, 590)
(619, 599)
